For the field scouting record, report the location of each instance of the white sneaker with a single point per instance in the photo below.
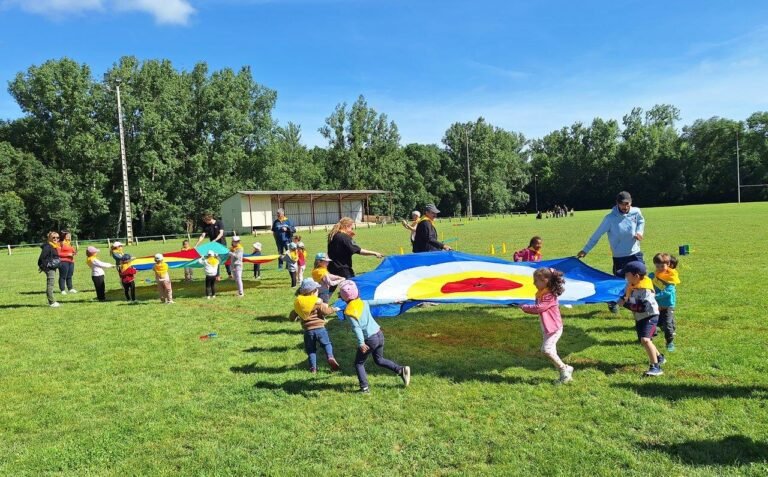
(208, 297)
(73, 291)
(169, 302)
(55, 304)
(63, 292)
(566, 374)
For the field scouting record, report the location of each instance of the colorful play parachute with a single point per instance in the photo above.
(401, 282)
(188, 258)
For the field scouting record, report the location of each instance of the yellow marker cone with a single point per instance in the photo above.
(503, 247)
(401, 251)
(493, 250)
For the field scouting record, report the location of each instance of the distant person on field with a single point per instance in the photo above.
(236, 263)
(665, 280)
(415, 218)
(48, 261)
(67, 267)
(550, 284)
(425, 239)
(127, 278)
(311, 311)
(214, 230)
(97, 272)
(530, 254)
(625, 226)
(641, 300)
(187, 270)
(256, 266)
(282, 230)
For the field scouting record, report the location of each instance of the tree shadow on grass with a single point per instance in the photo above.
(677, 391)
(253, 368)
(611, 329)
(304, 387)
(276, 332)
(728, 451)
(272, 349)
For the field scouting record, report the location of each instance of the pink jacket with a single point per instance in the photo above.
(548, 310)
(527, 255)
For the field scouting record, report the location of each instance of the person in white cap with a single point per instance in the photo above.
(236, 263)
(116, 250)
(256, 266)
(210, 265)
(163, 279)
(97, 272)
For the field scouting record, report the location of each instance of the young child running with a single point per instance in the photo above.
(256, 266)
(640, 299)
(97, 272)
(210, 265)
(187, 270)
(665, 281)
(117, 252)
(370, 339)
(311, 311)
(301, 251)
(550, 284)
(127, 278)
(530, 254)
(163, 279)
(236, 263)
(326, 279)
(291, 260)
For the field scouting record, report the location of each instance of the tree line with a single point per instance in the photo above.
(193, 138)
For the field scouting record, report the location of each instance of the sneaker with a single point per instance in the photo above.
(208, 297)
(566, 374)
(73, 291)
(654, 370)
(364, 391)
(671, 346)
(661, 359)
(170, 302)
(613, 308)
(63, 292)
(55, 304)
(405, 374)
(333, 363)
(313, 370)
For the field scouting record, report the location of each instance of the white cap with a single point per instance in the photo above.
(211, 253)
(158, 256)
(257, 245)
(300, 244)
(116, 244)
(235, 238)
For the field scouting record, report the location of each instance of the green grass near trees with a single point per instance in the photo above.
(111, 389)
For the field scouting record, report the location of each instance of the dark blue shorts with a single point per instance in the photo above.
(646, 327)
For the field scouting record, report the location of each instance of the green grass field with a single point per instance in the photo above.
(110, 389)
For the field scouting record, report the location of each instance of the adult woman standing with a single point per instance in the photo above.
(67, 267)
(341, 247)
(48, 262)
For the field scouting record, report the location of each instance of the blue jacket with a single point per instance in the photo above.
(666, 293)
(280, 234)
(359, 313)
(621, 230)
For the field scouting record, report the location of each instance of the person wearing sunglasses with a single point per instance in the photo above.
(49, 262)
(625, 226)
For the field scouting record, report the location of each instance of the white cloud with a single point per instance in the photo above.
(164, 11)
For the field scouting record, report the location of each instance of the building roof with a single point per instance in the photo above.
(285, 195)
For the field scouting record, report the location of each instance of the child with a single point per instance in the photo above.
(236, 263)
(211, 268)
(326, 279)
(530, 254)
(127, 277)
(302, 263)
(97, 271)
(370, 339)
(550, 284)
(117, 252)
(640, 299)
(291, 260)
(256, 266)
(187, 270)
(311, 311)
(665, 281)
(163, 279)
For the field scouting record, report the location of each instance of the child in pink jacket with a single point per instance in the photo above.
(530, 254)
(550, 284)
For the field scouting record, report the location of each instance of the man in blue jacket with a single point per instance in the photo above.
(283, 230)
(625, 226)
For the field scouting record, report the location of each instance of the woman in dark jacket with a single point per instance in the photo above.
(341, 247)
(48, 262)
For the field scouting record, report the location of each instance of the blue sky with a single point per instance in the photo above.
(530, 67)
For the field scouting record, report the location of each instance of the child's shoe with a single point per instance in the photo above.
(313, 370)
(613, 308)
(333, 363)
(73, 291)
(208, 297)
(170, 302)
(654, 370)
(661, 359)
(671, 346)
(566, 374)
(63, 292)
(55, 304)
(364, 391)
(405, 375)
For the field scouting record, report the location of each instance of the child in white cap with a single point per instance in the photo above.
(117, 252)
(256, 266)
(163, 279)
(211, 268)
(97, 271)
(236, 263)
(291, 260)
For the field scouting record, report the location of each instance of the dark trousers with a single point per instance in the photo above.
(130, 291)
(293, 278)
(620, 262)
(210, 286)
(66, 270)
(311, 338)
(256, 270)
(667, 323)
(282, 246)
(101, 288)
(376, 345)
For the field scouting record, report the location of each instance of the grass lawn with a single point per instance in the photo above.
(109, 389)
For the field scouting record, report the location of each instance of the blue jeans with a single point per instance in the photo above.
(311, 337)
(66, 270)
(376, 345)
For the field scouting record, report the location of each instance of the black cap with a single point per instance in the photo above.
(637, 267)
(623, 196)
(431, 208)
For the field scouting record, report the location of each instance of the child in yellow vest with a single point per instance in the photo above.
(210, 265)
(311, 311)
(163, 279)
(322, 276)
